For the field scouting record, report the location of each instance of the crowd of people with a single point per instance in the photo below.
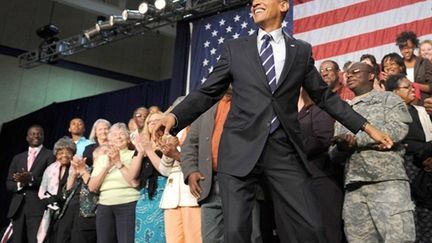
(236, 162)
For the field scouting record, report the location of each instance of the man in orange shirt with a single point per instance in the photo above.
(199, 158)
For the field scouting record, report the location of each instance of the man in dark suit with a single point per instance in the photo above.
(24, 178)
(261, 140)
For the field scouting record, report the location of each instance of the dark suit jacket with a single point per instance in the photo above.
(196, 154)
(247, 127)
(33, 204)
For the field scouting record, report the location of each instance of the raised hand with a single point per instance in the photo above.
(78, 164)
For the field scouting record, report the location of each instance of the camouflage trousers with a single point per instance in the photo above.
(380, 212)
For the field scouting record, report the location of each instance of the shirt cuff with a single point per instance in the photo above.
(19, 186)
(176, 120)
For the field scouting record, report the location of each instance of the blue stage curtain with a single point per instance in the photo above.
(181, 55)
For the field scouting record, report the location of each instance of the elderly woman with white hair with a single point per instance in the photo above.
(57, 222)
(115, 219)
(99, 136)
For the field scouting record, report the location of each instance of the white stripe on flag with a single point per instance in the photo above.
(366, 24)
(320, 6)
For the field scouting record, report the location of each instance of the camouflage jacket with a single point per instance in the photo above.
(387, 112)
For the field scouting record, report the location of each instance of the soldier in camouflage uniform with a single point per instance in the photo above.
(377, 205)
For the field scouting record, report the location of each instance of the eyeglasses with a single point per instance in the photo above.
(138, 115)
(406, 87)
(327, 69)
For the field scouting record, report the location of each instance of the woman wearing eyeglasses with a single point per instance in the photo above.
(418, 144)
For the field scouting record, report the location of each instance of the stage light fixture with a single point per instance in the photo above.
(160, 4)
(117, 20)
(143, 7)
(132, 15)
(90, 33)
(103, 26)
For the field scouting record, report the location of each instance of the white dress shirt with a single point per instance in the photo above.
(279, 49)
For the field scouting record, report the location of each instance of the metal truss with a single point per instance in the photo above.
(175, 11)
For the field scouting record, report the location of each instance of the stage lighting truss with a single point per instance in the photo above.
(148, 17)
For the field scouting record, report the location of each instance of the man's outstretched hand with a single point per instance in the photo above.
(163, 127)
(384, 140)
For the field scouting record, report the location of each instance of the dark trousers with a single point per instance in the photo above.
(116, 223)
(296, 211)
(212, 221)
(70, 227)
(25, 226)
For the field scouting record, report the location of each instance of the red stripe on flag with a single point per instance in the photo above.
(369, 40)
(348, 13)
(298, 2)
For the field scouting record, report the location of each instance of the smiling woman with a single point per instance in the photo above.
(418, 153)
(418, 69)
(58, 220)
(115, 220)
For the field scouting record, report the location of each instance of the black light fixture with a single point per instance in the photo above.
(49, 35)
(48, 31)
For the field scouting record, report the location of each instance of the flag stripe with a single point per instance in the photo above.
(367, 24)
(377, 51)
(347, 13)
(369, 40)
(319, 6)
(298, 2)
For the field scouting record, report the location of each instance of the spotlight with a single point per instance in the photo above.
(117, 20)
(90, 33)
(160, 4)
(103, 26)
(132, 15)
(143, 8)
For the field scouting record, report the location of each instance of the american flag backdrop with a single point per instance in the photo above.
(340, 30)
(344, 30)
(210, 33)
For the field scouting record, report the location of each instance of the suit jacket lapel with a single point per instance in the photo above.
(251, 50)
(291, 51)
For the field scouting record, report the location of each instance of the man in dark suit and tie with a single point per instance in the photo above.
(24, 178)
(261, 141)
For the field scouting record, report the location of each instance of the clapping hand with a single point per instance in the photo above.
(24, 177)
(78, 164)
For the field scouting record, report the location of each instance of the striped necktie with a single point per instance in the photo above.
(267, 60)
